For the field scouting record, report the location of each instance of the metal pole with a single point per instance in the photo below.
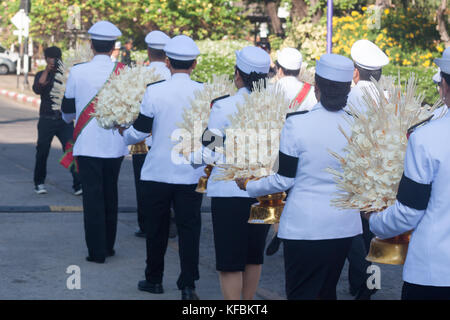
(330, 26)
(26, 59)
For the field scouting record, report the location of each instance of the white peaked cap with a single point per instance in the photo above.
(181, 48)
(104, 30)
(335, 67)
(156, 39)
(253, 59)
(368, 55)
(444, 62)
(290, 58)
(437, 76)
(117, 45)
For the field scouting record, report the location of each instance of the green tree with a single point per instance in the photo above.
(197, 18)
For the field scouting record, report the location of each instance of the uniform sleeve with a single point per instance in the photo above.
(413, 194)
(214, 135)
(287, 165)
(142, 127)
(68, 107)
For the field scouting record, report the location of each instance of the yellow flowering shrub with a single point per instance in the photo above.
(408, 37)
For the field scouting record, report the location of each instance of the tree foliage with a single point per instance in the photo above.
(197, 18)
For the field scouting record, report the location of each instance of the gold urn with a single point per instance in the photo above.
(268, 210)
(139, 148)
(203, 181)
(389, 251)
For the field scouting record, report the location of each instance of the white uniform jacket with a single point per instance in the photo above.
(423, 205)
(164, 72)
(292, 87)
(84, 82)
(308, 214)
(355, 97)
(161, 109)
(218, 123)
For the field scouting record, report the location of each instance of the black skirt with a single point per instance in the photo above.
(236, 241)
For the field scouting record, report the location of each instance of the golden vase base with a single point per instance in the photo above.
(268, 210)
(202, 184)
(139, 148)
(389, 251)
(203, 181)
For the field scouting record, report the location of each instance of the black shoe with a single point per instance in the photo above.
(91, 259)
(188, 293)
(156, 288)
(172, 229)
(273, 246)
(111, 253)
(140, 234)
(365, 293)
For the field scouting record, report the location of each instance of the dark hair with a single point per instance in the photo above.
(181, 64)
(265, 45)
(446, 76)
(157, 53)
(287, 72)
(103, 46)
(53, 52)
(333, 94)
(250, 79)
(366, 75)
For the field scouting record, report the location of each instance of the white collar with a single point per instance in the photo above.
(102, 58)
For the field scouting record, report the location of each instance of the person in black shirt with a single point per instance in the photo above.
(50, 122)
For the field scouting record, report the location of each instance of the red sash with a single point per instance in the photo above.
(85, 117)
(301, 95)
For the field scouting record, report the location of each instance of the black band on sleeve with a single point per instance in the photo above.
(287, 165)
(143, 123)
(413, 194)
(68, 105)
(211, 140)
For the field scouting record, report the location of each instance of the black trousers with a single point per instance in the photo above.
(99, 178)
(357, 269)
(47, 129)
(186, 203)
(417, 292)
(138, 162)
(313, 267)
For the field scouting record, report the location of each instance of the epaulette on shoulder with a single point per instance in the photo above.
(418, 125)
(296, 113)
(77, 64)
(150, 84)
(219, 98)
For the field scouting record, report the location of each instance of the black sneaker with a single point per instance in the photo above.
(40, 189)
(78, 192)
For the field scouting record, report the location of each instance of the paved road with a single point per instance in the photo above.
(37, 247)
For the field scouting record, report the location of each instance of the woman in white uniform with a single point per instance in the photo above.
(316, 236)
(423, 205)
(239, 245)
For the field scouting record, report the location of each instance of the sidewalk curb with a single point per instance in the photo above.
(20, 97)
(43, 209)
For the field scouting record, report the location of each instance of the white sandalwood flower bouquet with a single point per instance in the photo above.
(372, 162)
(195, 117)
(252, 140)
(72, 57)
(119, 101)
(307, 74)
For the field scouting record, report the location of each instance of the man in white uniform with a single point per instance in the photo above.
(99, 152)
(369, 60)
(289, 63)
(156, 40)
(423, 205)
(166, 176)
